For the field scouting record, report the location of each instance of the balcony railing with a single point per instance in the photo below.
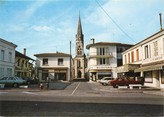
(100, 55)
(101, 67)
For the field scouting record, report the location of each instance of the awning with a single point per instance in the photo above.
(127, 68)
(52, 69)
(150, 68)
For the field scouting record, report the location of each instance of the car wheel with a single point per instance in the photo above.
(103, 84)
(114, 86)
(28, 82)
(15, 84)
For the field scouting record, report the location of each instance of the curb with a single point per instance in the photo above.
(159, 93)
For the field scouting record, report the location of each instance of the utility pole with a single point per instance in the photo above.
(160, 16)
(70, 61)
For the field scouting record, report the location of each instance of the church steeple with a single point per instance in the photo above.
(79, 29)
(79, 35)
(79, 60)
(79, 39)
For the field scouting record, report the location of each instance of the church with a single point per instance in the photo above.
(80, 58)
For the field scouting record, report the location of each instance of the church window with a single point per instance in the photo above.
(79, 51)
(78, 63)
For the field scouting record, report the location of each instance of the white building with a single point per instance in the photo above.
(146, 59)
(103, 57)
(7, 58)
(56, 66)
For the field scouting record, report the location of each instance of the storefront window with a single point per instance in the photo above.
(162, 76)
(148, 77)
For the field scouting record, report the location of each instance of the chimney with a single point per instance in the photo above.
(160, 16)
(24, 51)
(92, 41)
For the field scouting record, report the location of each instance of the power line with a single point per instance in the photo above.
(114, 21)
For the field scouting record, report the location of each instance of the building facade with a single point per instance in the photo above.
(7, 58)
(56, 66)
(103, 58)
(24, 65)
(80, 58)
(146, 60)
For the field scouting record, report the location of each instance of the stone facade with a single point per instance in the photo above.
(80, 59)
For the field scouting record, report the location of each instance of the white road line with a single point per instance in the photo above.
(4, 92)
(75, 89)
(26, 92)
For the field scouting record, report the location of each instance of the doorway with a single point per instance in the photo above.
(79, 74)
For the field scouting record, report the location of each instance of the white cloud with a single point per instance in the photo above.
(42, 28)
(30, 11)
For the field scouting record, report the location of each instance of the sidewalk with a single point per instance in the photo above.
(154, 91)
(146, 90)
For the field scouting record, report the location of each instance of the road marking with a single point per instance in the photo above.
(26, 92)
(75, 89)
(4, 92)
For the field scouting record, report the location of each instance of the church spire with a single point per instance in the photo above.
(79, 29)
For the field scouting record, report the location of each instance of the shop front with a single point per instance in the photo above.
(127, 70)
(153, 75)
(54, 74)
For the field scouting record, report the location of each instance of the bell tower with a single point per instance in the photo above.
(80, 59)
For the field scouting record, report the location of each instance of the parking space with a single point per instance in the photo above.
(83, 89)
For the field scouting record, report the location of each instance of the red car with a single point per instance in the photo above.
(123, 82)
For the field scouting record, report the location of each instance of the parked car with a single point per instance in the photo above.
(105, 81)
(12, 81)
(30, 80)
(123, 82)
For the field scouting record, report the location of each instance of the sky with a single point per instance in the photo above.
(48, 26)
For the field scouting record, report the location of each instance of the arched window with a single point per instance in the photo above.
(78, 63)
(79, 51)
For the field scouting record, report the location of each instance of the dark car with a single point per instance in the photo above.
(30, 80)
(123, 82)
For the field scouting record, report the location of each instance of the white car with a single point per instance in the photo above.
(13, 81)
(105, 81)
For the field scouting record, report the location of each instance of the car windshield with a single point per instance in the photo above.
(107, 78)
(11, 78)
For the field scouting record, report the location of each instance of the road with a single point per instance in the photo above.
(69, 109)
(80, 99)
